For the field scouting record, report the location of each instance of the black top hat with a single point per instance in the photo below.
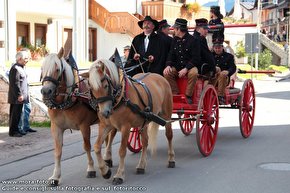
(202, 22)
(163, 24)
(148, 18)
(216, 11)
(180, 23)
(218, 41)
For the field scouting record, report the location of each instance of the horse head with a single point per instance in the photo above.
(104, 82)
(56, 76)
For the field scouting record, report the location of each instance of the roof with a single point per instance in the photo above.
(248, 5)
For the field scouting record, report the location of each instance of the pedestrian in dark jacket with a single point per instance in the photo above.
(183, 59)
(216, 20)
(207, 60)
(18, 92)
(225, 65)
(147, 46)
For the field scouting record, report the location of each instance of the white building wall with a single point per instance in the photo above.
(11, 31)
(107, 42)
(61, 13)
(238, 34)
(2, 35)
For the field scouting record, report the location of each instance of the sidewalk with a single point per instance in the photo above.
(17, 148)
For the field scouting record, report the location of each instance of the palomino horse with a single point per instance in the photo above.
(122, 104)
(65, 110)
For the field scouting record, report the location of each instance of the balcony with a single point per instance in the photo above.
(114, 22)
(161, 9)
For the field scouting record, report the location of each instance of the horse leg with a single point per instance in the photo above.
(108, 153)
(120, 175)
(86, 132)
(140, 169)
(57, 135)
(104, 169)
(171, 154)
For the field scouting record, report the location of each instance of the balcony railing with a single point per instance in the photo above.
(114, 22)
(161, 9)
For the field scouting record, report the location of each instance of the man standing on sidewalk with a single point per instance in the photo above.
(18, 92)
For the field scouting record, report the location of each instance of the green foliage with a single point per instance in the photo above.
(32, 124)
(240, 50)
(264, 61)
(279, 69)
(40, 124)
(36, 51)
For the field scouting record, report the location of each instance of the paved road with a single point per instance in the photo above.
(236, 165)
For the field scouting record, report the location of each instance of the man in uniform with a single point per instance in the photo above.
(225, 67)
(147, 46)
(183, 59)
(207, 60)
(163, 31)
(216, 20)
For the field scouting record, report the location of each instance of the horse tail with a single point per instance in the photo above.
(152, 137)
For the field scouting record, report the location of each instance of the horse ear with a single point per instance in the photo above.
(60, 53)
(85, 74)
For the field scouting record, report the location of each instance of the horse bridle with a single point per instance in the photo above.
(53, 80)
(113, 92)
(51, 103)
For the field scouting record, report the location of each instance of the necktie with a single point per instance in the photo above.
(146, 42)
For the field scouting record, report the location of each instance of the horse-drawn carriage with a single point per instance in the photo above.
(114, 92)
(204, 112)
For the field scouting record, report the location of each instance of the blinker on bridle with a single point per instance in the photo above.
(54, 81)
(113, 92)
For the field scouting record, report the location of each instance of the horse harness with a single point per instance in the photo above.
(121, 92)
(71, 97)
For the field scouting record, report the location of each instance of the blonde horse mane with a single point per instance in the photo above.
(51, 63)
(95, 78)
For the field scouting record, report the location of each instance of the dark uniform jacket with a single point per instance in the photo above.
(155, 48)
(206, 54)
(18, 85)
(184, 53)
(167, 42)
(218, 33)
(225, 61)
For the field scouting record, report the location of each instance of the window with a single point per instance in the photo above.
(40, 34)
(23, 34)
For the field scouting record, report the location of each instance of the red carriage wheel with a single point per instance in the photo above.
(186, 126)
(207, 121)
(134, 142)
(247, 108)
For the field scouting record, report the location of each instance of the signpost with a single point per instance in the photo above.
(252, 46)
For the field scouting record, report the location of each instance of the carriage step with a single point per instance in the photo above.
(234, 90)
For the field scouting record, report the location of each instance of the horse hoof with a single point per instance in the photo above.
(108, 174)
(140, 171)
(171, 164)
(109, 163)
(53, 183)
(117, 181)
(91, 174)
